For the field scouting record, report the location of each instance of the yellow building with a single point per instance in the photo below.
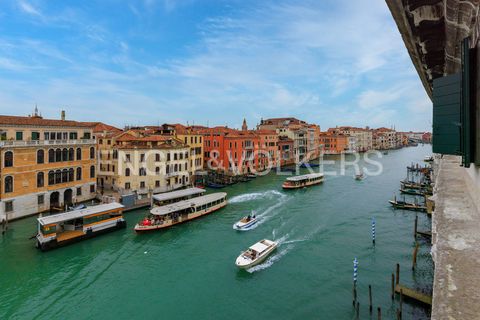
(194, 141)
(45, 164)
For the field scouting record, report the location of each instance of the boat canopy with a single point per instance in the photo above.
(305, 177)
(177, 194)
(75, 214)
(189, 203)
(259, 247)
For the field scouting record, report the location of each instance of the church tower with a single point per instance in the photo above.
(244, 125)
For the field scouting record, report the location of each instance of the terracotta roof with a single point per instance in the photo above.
(39, 121)
(102, 127)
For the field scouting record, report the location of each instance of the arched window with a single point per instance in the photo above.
(51, 155)
(71, 154)
(71, 174)
(58, 176)
(92, 171)
(79, 173)
(40, 156)
(127, 172)
(8, 161)
(40, 180)
(92, 153)
(58, 155)
(51, 178)
(65, 154)
(79, 154)
(175, 168)
(64, 175)
(8, 184)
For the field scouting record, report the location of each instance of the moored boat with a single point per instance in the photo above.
(64, 228)
(309, 165)
(428, 159)
(302, 181)
(397, 204)
(416, 191)
(182, 211)
(214, 185)
(246, 223)
(256, 253)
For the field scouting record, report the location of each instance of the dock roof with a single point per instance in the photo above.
(185, 204)
(70, 215)
(177, 194)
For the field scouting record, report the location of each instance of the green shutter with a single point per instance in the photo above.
(447, 99)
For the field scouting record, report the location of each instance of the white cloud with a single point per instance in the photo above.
(28, 8)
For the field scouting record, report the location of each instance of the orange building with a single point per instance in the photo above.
(333, 143)
(269, 151)
(229, 150)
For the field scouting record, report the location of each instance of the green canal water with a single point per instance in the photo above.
(188, 271)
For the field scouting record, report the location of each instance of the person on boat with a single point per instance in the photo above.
(249, 218)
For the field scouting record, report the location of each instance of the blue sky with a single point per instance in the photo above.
(331, 62)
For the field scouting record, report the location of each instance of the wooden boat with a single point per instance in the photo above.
(215, 185)
(246, 223)
(415, 192)
(256, 254)
(407, 205)
(414, 185)
(64, 228)
(182, 211)
(302, 181)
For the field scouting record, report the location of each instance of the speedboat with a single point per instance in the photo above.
(256, 253)
(245, 223)
(360, 176)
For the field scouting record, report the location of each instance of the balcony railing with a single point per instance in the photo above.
(33, 143)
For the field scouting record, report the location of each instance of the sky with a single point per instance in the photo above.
(209, 62)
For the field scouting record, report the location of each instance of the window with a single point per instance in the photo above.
(79, 154)
(157, 157)
(175, 156)
(8, 206)
(168, 156)
(41, 199)
(40, 156)
(35, 135)
(157, 183)
(142, 184)
(59, 136)
(73, 135)
(142, 157)
(142, 172)
(19, 135)
(8, 161)
(79, 173)
(127, 172)
(157, 170)
(8, 184)
(86, 135)
(64, 175)
(40, 179)
(58, 176)
(127, 186)
(3, 136)
(71, 174)
(79, 191)
(65, 154)
(58, 155)
(92, 153)
(92, 171)
(127, 157)
(71, 154)
(92, 188)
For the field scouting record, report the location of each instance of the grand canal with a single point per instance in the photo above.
(188, 271)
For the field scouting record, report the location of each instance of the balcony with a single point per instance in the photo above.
(41, 143)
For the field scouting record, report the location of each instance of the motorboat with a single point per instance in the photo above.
(360, 176)
(246, 223)
(256, 253)
(302, 181)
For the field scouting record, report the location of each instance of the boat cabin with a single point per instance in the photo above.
(303, 181)
(162, 199)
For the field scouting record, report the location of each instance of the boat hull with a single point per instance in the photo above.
(245, 226)
(145, 229)
(287, 186)
(258, 260)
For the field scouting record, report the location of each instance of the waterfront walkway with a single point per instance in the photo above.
(456, 243)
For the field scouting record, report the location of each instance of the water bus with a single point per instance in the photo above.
(182, 211)
(64, 228)
(256, 253)
(162, 199)
(302, 181)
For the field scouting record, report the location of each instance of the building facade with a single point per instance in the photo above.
(46, 164)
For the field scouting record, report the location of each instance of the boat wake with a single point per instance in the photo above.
(266, 215)
(256, 195)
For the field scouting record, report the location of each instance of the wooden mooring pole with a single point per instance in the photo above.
(415, 227)
(414, 258)
(397, 280)
(379, 313)
(358, 309)
(354, 291)
(401, 303)
(370, 297)
(393, 286)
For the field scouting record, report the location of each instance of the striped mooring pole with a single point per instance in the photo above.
(355, 270)
(373, 230)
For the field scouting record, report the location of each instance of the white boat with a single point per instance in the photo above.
(428, 159)
(360, 176)
(246, 223)
(256, 254)
(182, 211)
(302, 181)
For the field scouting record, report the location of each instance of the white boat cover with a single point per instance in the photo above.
(259, 247)
(70, 215)
(181, 205)
(305, 177)
(178, 194)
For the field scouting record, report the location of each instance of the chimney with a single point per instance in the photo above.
(63, 115)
